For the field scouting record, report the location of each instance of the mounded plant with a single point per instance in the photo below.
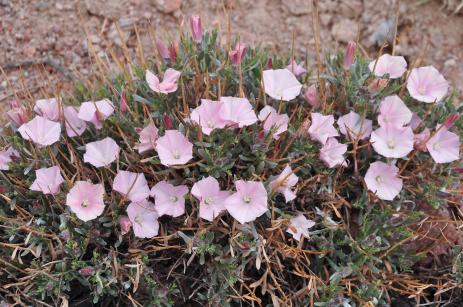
(217, 175)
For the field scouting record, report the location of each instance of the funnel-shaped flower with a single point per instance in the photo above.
(169, 199)
(96, 111)
(382, 179)
(387, 64)
(132, 186)
(74, 125)
(278, 123)
(41, 131)
(332, 153)
(148, 137)
(174, 148)
(284, 182)
(296, 69)
(168, 84)
(393, 110)
(86, 200)
(48, 180)
(355, 126)
(237, 112)
(237, 54)
(322, 127)
(426, 84)
(6, 156)
(207, 116)
(281, 84)
(444, 146)
(101, 153)
(299, 226)
(391, 141)
(249, 202)
(48, 108)
(144, 218)
(211, 198)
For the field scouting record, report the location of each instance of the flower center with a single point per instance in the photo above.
(173, 199)
(176, 154)
(437, 146)
(210, 124)
(209, 200)
(391, 144)
(422, 90)
(138, 219)
(85, 203)
(379, 179)
(247, 199)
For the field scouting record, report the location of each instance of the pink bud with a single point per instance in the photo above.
(349, 56)
(125, 224)
(18, 115)
(196, 28)
(173, 51)
(124, 107)
(2, 189)
(311, 96)
(458, 170)
(167, 121)
(377, 85)
(269, 63)
(451, 120)
(260, 136)
(162, 49)
(86, 271)
(237, 54)
(14, 104)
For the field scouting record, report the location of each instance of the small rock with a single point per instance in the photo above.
(297, 7)
(113, 35)
(325, 19)
(168, 6)
(351, 8)
(345, 30)
(111, 9)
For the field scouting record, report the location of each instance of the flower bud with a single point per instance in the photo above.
(311, 96)
(196, 28)
(125, 224)
(167, 121)
(162, 49)
(173, 51)
(377, 85)
(237, 54)
(86, 271)
(451, 120)
(124, 107)
(349, 56)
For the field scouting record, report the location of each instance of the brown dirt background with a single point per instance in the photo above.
(34, 30)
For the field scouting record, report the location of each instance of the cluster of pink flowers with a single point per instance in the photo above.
(394, 138)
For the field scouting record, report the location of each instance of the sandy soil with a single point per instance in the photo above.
(47, 38)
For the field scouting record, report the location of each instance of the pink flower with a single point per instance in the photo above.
(355, 126)
(18, 114)
(382, 179)
(349, 56)
(207, 116)
(196, 28)
(237, 112)
(48, 108)
(174, 148)
(41, 131)
(420, 139)
(168, 84)
(415, 121)
(125, 224)
(444, 146)
(322, 127)
(281, 84)
(277, 123)
(284, 182)
(211, 198)
(101, 153)
(296, 69)
(144, 218)
(86, 200)
(48, 180)
(394, 111)
(391, 141)
(132, 186)
(249, 201)
(96, 111)
(394, 66)
(162, 49)
(74, 125)
(237, 54)
(299, 226)
(426, 84)
(169, 199)
(311, 96)
(148, 137)
(332, 153)
(6, 157)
